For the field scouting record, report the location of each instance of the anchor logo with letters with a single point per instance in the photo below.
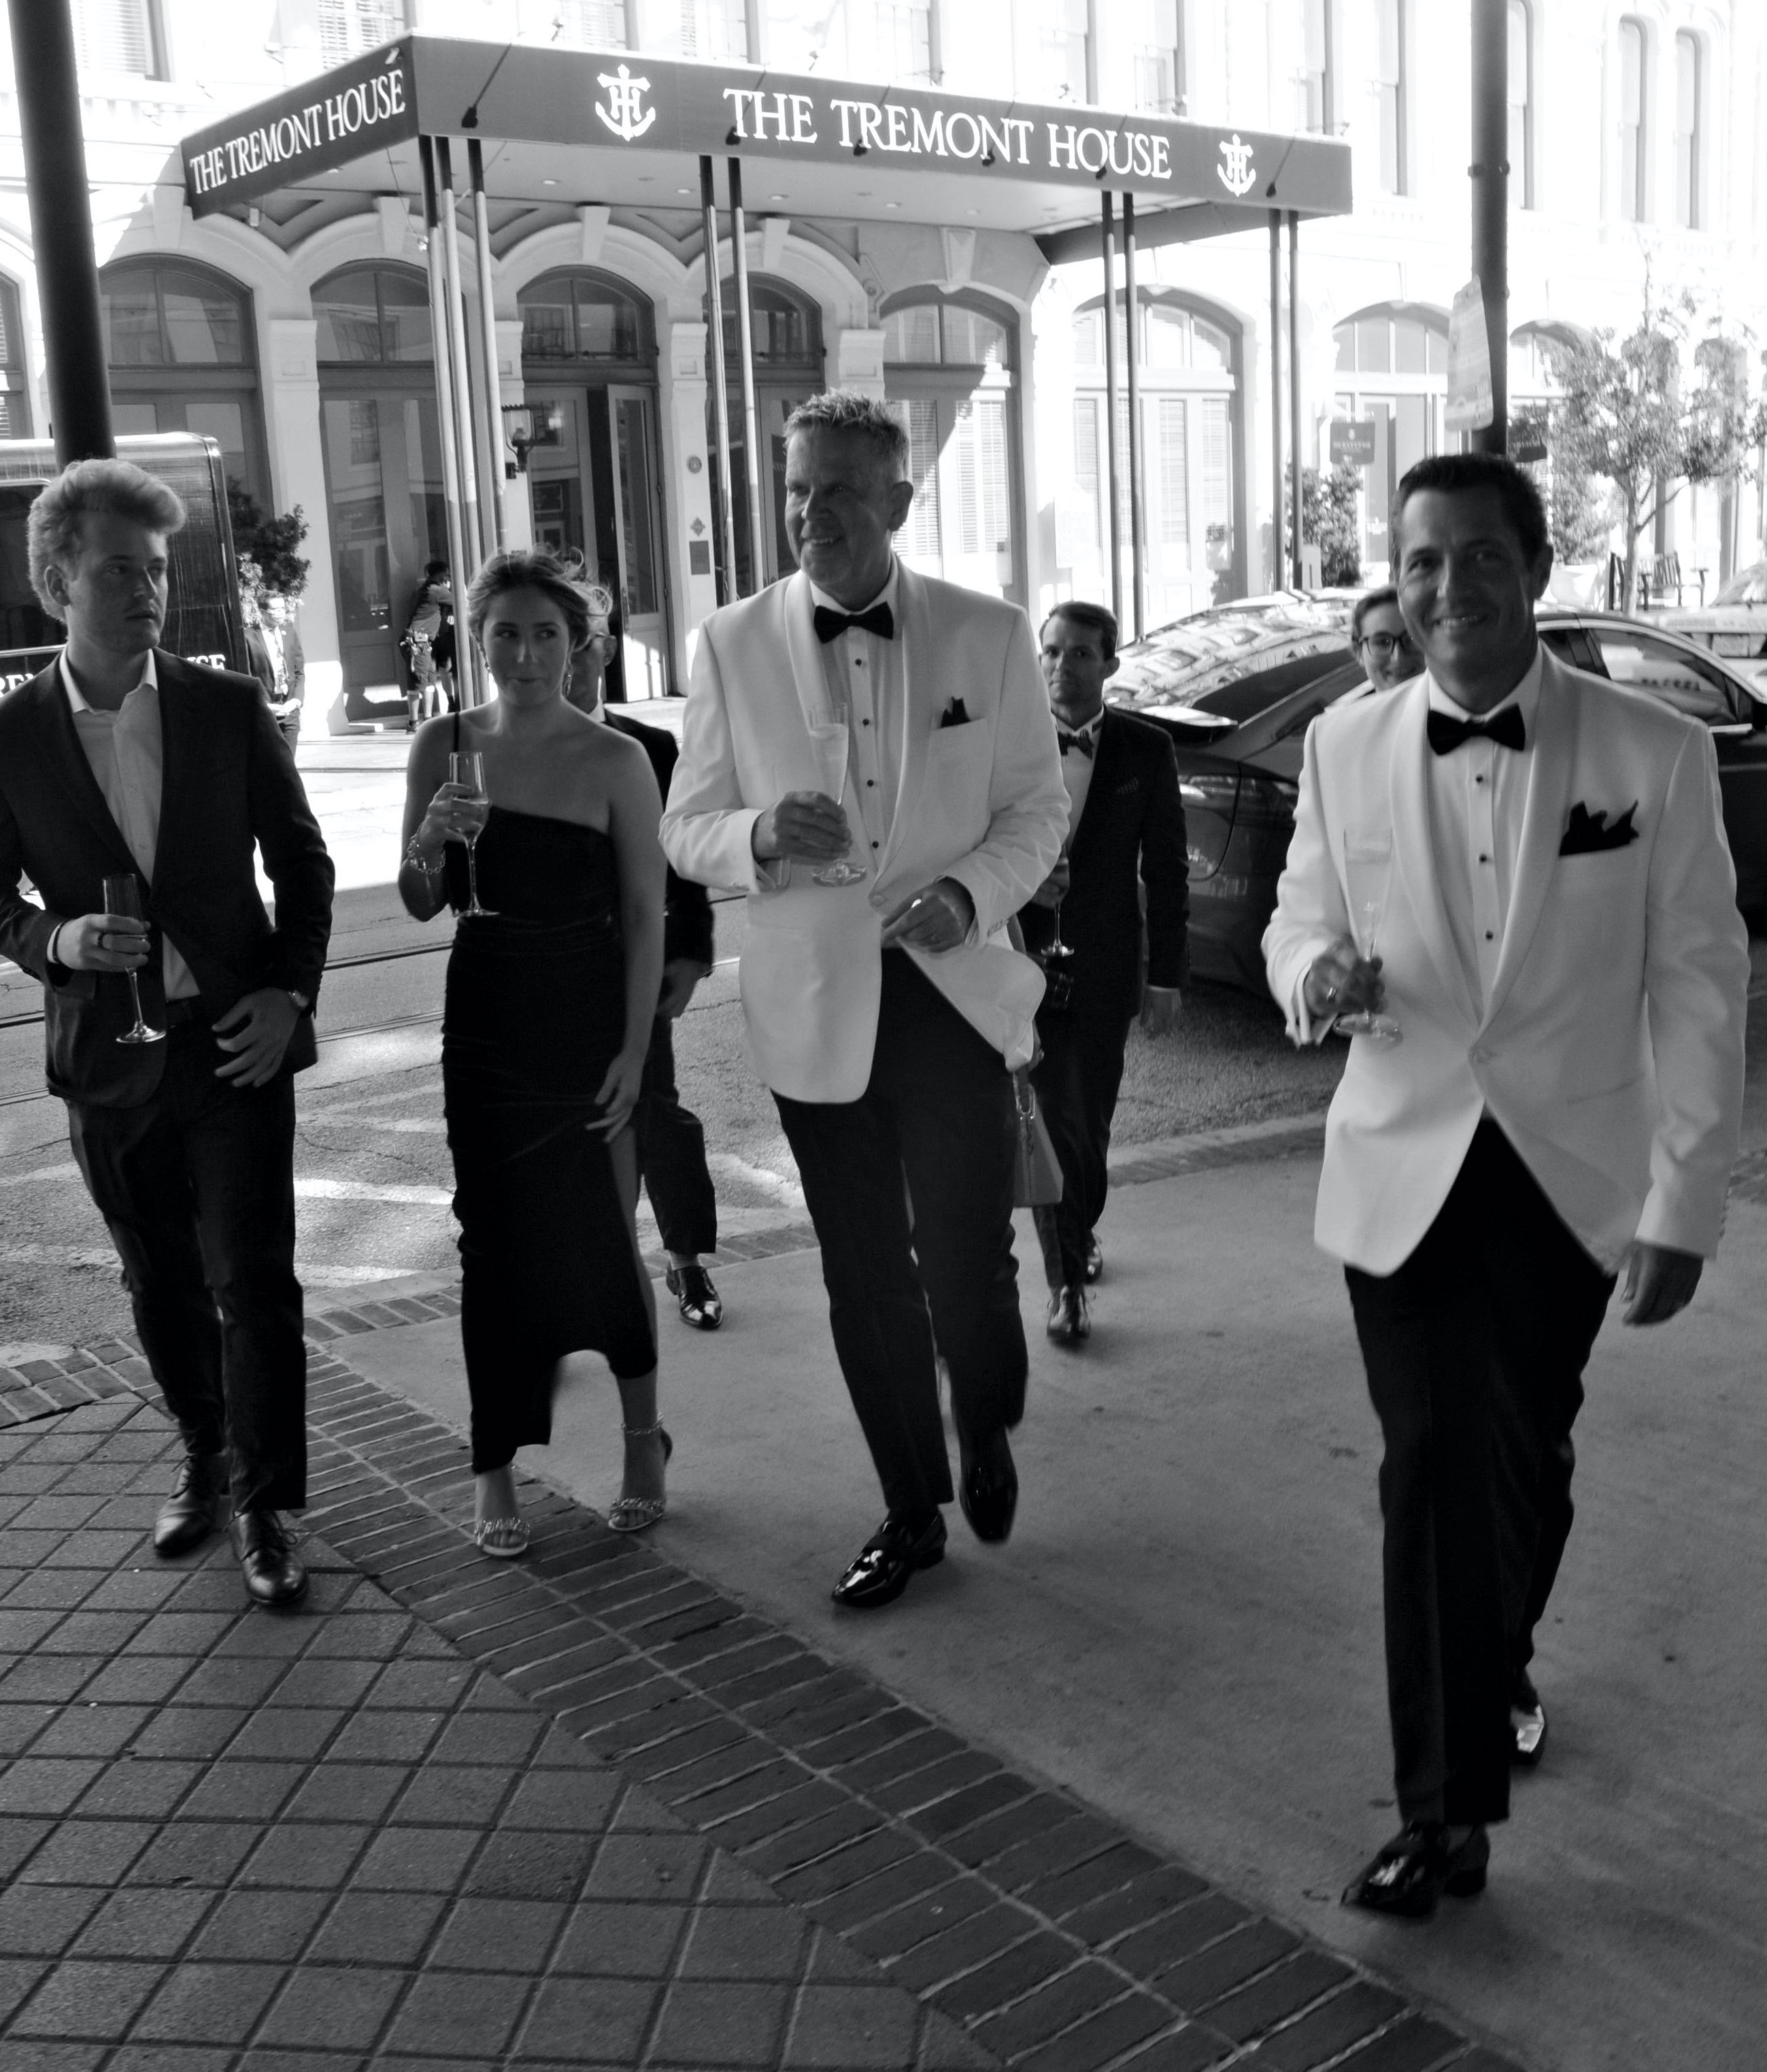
(626, 114)
(1236, 175)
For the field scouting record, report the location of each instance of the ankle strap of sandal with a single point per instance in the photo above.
(642, 1431)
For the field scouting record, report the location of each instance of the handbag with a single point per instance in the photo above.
(1037, 1172)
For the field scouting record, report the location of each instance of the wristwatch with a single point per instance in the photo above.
(302, 1005)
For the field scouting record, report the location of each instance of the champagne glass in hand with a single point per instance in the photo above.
(466, 768)
(1368, 869)
(829, 739)
(122, 898)
(1057, 958)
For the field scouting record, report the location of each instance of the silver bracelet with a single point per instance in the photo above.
(414, 853)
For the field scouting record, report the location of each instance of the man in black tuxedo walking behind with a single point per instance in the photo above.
(1127, 830)
(118, 759)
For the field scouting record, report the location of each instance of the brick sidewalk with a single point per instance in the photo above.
(584, 1812)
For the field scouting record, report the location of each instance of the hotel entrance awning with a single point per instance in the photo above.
(625, 131)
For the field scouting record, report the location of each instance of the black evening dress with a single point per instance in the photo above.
(535, 1014)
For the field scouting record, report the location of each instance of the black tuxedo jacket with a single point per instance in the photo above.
(1131, 833)
(228, 786)
(687, 907)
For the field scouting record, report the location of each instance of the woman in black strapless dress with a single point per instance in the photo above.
(550, 997)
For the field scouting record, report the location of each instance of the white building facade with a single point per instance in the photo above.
(298, 334)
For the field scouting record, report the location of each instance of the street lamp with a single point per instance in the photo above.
(527, 425)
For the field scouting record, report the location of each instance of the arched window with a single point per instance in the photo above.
(1689, 115)
(580, 314)
(14, 396)
(1634, 120)
(182, 351)
(949, 374)
(383, 467)
(787, 327)
(1392, 370)
(1191, 469)
(1521, 99)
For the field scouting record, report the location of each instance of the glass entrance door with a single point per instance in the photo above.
(644, 639)
(961, 456)
(383, 471)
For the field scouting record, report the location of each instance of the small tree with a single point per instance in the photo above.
(1626, 416)
(1328, 519)
(268, 544)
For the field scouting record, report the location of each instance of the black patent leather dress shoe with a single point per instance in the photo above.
(899, 1546)
(1423, 1861)
(273, 1574)
(1094, 1267)
(700, 1303)
(1527, 1724)
(193, 1510)
(987, 1487)
(1069, 1322)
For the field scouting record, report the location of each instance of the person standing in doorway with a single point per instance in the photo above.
(1552, 1094)
(1126, 835)
(868, 755)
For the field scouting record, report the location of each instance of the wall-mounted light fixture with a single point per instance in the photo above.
(527, 425)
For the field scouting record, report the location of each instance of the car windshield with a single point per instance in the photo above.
(1236, 661)
(1747, 586)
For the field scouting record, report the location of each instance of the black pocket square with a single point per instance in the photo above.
(1587, 833)
(954, 714)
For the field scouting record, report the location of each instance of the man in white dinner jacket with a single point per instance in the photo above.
(1561, 951)
(884, 1013)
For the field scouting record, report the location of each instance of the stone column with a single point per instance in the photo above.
(687, 503)
(292, 426)
(518, 509)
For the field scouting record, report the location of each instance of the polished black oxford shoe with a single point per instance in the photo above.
(193, 1510)
(273, 1575)
(987, 1487)
(1411, 1873)
(903, 1543)
(1094, 1260)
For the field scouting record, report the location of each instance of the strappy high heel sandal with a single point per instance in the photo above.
(502, 1539)
(635, 1514)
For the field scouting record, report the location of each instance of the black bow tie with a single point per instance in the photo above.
(1084, 744)
(831, 625)
(1506, 728)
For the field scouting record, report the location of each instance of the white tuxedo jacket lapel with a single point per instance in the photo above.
(1550, 769)
(915, 634)
(805, 650)
(1414, 848)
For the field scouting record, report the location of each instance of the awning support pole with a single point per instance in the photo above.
(487, 343)
(1131, 325)
(1491, 170)
(751, 415)
(459, 372)
(1278, 492)
(1294, 376)
(54, 163)
(723, 505)
(444, 406)
(1109, 235)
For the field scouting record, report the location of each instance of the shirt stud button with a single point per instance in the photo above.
(1489, 936)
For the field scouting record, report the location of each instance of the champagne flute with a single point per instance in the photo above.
(1368, 871)
(122, 898)
(467, 767)
(829, 739)
(1057, 960)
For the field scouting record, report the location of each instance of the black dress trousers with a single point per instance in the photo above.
(1077, 1080)
(911, 1190)
(197, 1188)
(1475, 1348)
(672, 1153)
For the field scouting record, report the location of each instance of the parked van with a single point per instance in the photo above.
(203, 622)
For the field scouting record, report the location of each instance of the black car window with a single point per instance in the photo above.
(1572, 645)
(1247, 696)
(1325, 691)
(1642, 663)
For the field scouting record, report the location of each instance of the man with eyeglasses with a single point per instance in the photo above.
(1383, 644)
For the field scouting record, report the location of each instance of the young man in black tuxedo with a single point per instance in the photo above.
(119, 759)
(671, 1141)
(1127, 832)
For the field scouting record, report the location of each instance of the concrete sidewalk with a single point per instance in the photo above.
(1183, 1631)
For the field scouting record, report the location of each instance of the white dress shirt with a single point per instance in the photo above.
(868, 689)
(1477, 796)
(127, 754)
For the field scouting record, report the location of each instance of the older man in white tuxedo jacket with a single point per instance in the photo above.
(883, 1012)
(1561, 951)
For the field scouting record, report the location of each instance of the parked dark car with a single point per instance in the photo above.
(1237, 688)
